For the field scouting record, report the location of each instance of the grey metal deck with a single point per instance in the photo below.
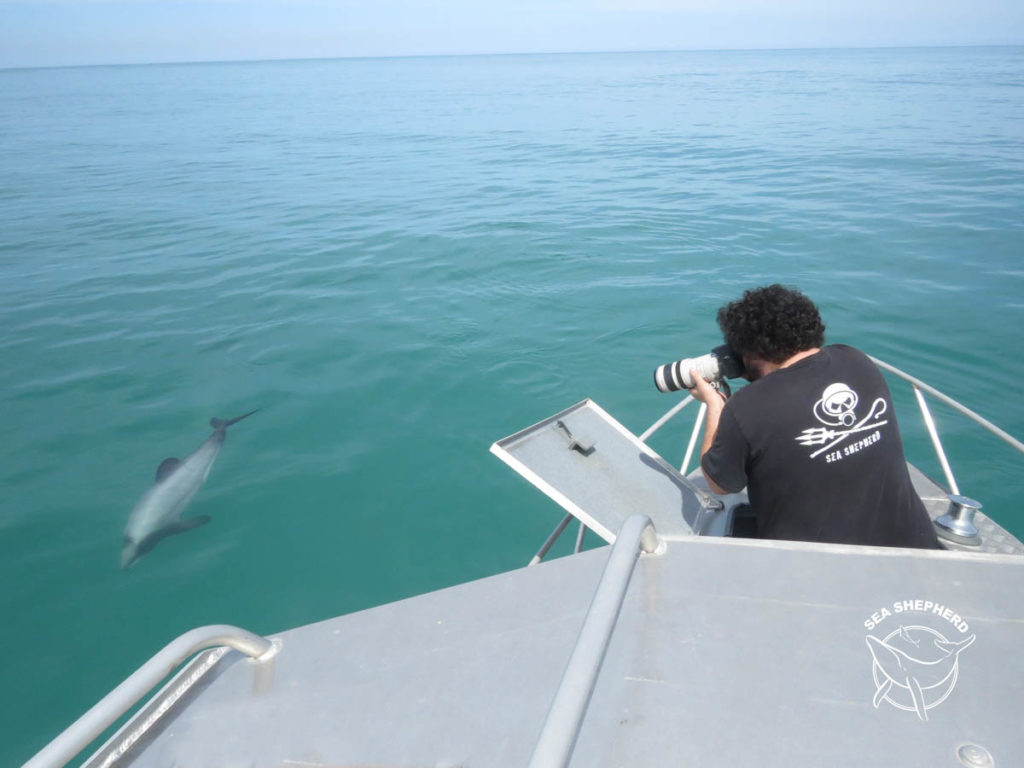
(459, 677)
(726, 653)
(734, 653)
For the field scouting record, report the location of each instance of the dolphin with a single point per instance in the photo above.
(905, 637)
(158, 513)
(913, 674)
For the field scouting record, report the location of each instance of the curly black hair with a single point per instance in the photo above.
(772, 322)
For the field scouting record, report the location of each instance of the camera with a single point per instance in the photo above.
(716, 366)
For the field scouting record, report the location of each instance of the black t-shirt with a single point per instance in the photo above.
(817, 446)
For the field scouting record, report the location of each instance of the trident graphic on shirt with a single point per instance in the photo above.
(837, 410)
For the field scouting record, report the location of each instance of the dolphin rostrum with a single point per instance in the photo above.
(158, 513)
(901, 669)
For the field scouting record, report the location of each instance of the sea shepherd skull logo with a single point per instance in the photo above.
(915, 667)
(844, 433)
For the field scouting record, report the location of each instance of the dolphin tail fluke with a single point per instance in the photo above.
(952, 649)
(225, 423)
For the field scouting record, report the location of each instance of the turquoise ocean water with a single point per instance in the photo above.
(400, 261)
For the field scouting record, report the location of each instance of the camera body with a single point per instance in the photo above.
(716, 366)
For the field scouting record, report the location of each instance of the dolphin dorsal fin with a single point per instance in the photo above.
(167, 466)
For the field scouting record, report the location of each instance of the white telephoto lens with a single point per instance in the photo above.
(672, 377)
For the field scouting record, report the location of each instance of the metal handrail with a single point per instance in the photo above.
(1001, 434)
(666, 418)
(558, 736)
(919, 386)
(105, 713)
(916, 384)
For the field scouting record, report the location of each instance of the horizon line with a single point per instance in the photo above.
(373, 57)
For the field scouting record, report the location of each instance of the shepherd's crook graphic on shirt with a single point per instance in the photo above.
(837, 410)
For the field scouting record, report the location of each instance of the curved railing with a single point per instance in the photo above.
(106, 712)
(919, 389)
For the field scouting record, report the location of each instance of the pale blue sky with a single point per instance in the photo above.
(60, 32)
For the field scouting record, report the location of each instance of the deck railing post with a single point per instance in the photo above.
(580, 534)
(693, 438)
(552, 538)
(558, 736)
(929, 424)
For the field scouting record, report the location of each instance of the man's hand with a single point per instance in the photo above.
(715, 401)
(705, 393)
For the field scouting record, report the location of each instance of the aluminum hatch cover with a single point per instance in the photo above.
(602, 473)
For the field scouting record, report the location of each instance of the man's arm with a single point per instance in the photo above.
(715, 402)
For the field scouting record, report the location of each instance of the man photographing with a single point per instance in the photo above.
(814, 437)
